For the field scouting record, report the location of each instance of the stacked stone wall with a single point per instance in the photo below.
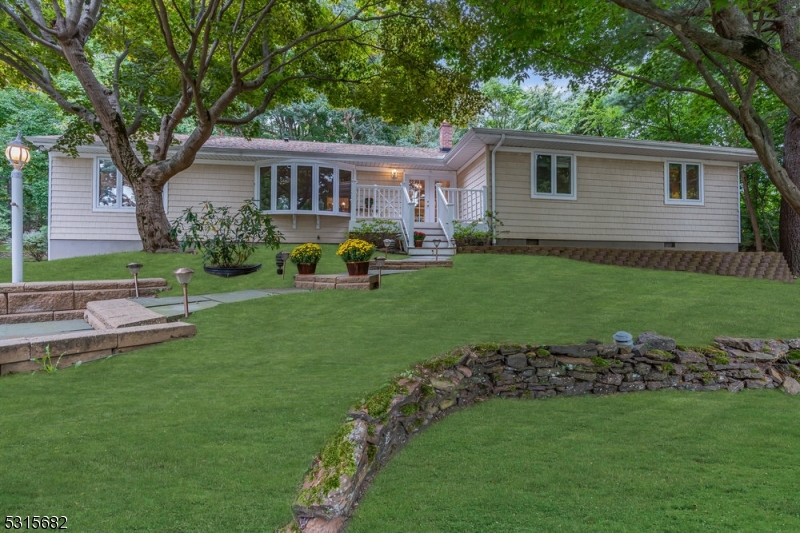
(65, 300)
(376, 429)
(759, 265)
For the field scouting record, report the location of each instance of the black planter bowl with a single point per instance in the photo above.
(229, 272)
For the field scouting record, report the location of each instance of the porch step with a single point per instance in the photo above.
(431, 252)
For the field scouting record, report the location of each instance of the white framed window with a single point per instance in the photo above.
(683, 183)
(111, 190)
(304, 188)
(553, 176)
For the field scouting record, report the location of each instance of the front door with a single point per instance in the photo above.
(423, 191)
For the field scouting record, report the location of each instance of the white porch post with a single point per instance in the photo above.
(485, 194)
(353, 196)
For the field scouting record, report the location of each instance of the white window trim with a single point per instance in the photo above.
(96, 208)
(683, 201)
(554, 195)
(294, 163)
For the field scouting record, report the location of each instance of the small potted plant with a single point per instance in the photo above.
(418, 238)
(306, 256)
(226, 238)
(356, 254)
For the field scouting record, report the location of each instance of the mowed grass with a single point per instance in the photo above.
(214, 433)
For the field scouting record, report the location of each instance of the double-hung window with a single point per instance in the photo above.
(112, 190)
(683, 183)
(553, 176)
(304, 188)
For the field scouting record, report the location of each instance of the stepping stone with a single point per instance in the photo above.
(113, 314)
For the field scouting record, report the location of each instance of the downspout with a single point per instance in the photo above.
(494, 202)
(739, 203)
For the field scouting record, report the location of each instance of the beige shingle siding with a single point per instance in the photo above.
(71, 215)
(331, 228)
(617, 200)
(220, 184)
(379, 177)
(473, 176)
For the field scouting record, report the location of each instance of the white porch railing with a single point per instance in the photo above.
(445, 213)
(468, 204)
(378, 201)
(407, 219)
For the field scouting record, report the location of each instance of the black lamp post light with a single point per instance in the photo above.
(134, 269)
(280, 261)
(184, 276)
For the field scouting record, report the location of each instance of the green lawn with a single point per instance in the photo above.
(214, 433)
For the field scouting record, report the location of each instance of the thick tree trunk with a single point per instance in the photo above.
(751, 212)
(790, 220)
(151, 219)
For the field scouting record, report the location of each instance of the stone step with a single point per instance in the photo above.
(113, 314)
(443, 252)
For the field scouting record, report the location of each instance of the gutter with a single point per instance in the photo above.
(494, 201)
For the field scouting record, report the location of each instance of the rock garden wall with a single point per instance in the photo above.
(377, 428)
(760, 265)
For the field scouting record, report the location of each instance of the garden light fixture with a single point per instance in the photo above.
(436, 243)
(134, 269)
(18, 155)
(184, 276)
(280, 261)
(623, 338)
(379, 262)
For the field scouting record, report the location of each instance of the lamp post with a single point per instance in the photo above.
(134, 269)
(436, 243)
(280, 262)
(184, 276)
(379, 262)
(18, 155)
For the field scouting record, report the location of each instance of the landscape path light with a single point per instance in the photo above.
(379, 262)
(436, 243)
(184, 276)
(280, 262)
(18, 155)
(134, 269)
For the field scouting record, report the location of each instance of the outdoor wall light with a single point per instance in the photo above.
(18, 155)
(436, 243)
(394, 174)
(379, 262)
(134, 269)
(184, 276)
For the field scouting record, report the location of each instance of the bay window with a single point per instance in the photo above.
(304, 188)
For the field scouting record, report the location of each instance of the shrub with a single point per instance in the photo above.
(225, 238)
(419, 236)
(308, 253)
(34, 243)
(375, 232)
(353, 250)
(470, 235)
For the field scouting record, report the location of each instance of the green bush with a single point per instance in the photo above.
(34, 243)
(375, 231)
(470, 235)
(226, 239)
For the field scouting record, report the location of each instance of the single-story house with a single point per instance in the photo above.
(547, 189)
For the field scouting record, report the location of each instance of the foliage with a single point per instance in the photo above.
(308, 253)
(225, 238)
(472, 234)
(375, 231)
(353, 250)
(46, 362)
(34, 243)
(419, 236)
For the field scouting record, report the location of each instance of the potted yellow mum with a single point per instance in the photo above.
(306, 256)
(356, 254)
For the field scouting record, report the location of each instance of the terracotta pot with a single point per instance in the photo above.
(306, 268)
(418, 244)
(358, 268)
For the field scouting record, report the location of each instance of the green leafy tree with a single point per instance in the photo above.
(134, 74)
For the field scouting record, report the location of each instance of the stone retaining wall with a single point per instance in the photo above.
(336, 281)
(376, 429)
(16, 355)
(65, 300)
(761, 265)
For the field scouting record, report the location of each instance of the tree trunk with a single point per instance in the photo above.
(751, 212)
(151, 219)
(790, 220)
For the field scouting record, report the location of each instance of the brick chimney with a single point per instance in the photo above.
(445, 136)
